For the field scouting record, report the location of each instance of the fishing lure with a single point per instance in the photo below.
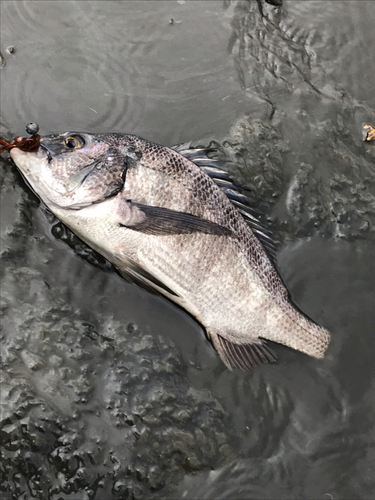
(27, 144)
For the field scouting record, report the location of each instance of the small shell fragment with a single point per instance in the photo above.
(369, 133)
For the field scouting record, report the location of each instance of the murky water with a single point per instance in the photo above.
(109, 392)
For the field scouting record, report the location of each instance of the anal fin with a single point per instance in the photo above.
(242, 356)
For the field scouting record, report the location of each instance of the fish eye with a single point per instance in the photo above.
(74, 142)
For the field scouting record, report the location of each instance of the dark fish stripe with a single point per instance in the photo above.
(261, 356)
(248, 210)
(269, 352)
(234, 195)
(225, 185)
(235, 355)
(258, 355)
(224, 353)
(217, 175)
(248, 360)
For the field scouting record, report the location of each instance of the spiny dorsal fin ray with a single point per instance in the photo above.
(214, 172)
(226, 184)
(242, 356)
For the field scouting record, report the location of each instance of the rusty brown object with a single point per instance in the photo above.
(369, 133)
(27, 144)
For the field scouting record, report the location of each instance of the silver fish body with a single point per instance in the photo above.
(166, 224)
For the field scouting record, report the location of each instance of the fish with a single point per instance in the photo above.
(172, 221)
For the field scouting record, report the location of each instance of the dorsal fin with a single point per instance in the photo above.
(214, 169)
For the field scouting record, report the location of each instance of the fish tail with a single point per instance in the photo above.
(295, 330)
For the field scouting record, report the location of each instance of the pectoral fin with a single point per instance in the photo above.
(243, 356)
(163, 221)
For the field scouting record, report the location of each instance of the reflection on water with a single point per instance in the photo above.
(113, 393)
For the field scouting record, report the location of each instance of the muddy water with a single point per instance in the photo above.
(110, 392)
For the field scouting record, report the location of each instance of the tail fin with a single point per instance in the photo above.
(293, 329)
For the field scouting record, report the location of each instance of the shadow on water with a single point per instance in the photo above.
(110, 392)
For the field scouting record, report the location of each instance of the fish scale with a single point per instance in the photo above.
(208, 197)
(212, 305)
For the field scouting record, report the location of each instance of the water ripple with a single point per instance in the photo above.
(75, 80)
(36, 17)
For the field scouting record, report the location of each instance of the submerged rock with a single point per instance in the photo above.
(302, 160)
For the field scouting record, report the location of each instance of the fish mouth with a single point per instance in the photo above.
(16, 154)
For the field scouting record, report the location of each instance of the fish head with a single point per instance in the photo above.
(73, 169)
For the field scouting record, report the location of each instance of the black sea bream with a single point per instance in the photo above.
(162, 217)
